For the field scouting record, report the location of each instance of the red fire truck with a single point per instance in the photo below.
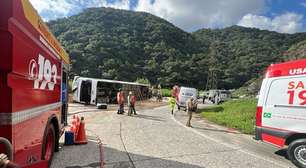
(33, 86)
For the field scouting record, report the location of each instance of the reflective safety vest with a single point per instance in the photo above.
(120, 98)
(133, 99)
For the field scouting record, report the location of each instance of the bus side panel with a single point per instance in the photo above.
(94, 92)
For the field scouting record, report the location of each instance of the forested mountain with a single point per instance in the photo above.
(125, 45)
(240, 54)
(297, 51)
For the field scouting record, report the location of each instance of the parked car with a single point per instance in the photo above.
(184, 95)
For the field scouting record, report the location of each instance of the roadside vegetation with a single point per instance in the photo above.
(125, 45)
(237, 114)
(166, 92)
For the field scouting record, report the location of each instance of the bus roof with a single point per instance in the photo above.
(112, 81)
(33, 17)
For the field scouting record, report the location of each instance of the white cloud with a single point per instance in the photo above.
(57, 7)
(122, 4)
(52, 9)
(194, 14)
(285, 23)
(303, 4)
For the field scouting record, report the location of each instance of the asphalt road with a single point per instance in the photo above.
(156, 139)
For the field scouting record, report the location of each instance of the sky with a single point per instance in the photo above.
(284, 16)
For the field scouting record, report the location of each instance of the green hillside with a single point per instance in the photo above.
(297, 51)
(242, 53)
(125, 45)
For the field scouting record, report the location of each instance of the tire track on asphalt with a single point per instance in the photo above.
(225, 144)
(125, 149)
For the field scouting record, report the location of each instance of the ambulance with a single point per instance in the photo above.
(33, 86)
(281, 110)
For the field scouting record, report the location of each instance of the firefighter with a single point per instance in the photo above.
(175, 91)
(172, 103)
(190, 105)
(131, 104)
(120, 100)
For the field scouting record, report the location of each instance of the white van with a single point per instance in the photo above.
(184, 95)
(281, 111)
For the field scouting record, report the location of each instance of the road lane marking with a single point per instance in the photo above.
(225, 144)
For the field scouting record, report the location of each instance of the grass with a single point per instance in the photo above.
(237, 114)
(166, 92)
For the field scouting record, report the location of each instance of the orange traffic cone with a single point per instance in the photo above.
(75, 125)
(81, 135)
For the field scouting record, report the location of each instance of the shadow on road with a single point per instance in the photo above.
(283, 153)
(120, 159)
(216, 130)
(78, 156)
(146, 117)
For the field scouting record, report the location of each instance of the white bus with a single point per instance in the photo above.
(103, 91)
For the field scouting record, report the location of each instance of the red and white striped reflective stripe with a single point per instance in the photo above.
(20, 116)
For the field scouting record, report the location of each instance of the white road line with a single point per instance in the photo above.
(226, 144)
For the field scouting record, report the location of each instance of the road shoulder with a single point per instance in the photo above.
(233, 139)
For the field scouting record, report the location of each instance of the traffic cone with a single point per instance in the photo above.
(81, 135)
(73, 124)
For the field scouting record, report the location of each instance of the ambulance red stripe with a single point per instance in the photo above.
(279, 142)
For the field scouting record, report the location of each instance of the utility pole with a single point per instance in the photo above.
(212, 78)
(212, 82)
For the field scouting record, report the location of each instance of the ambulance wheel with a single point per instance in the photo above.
(48, 144)
(297, 152)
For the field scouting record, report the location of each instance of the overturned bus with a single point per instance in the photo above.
(103, 91)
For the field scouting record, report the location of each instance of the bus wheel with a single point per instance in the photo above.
(48, 144)
(297, 152)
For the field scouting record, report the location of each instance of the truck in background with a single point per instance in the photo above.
(218, 96)
(281, 111)
(33, 86)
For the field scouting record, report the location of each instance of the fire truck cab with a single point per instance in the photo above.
(33, 86)
(281, 111)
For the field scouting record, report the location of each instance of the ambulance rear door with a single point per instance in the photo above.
(284, 107)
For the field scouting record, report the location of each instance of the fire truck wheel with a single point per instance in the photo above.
(297, 152)
(49, 144)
